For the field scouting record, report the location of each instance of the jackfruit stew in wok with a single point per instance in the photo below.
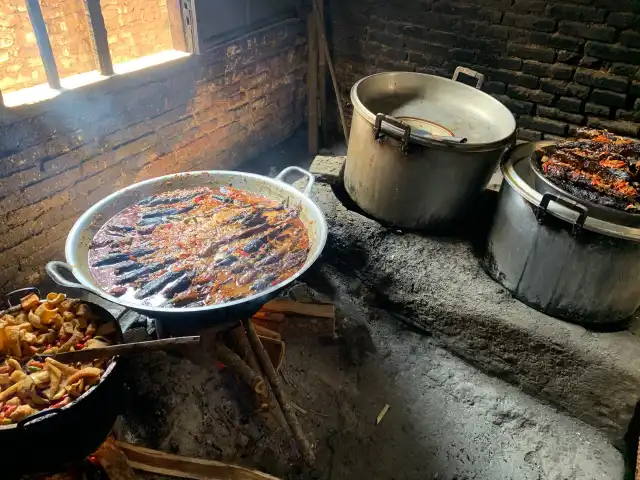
(597, 166)
(198, 246)
(55, 325)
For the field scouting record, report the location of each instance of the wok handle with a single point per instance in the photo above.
(53, 268)
(472, 73)
(310, 178)
(22, 292)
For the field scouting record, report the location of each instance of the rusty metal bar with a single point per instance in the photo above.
(44, 44)
(98, 33)
(191, 25)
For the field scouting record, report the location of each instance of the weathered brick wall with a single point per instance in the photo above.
(135, 28)
(556, 64)
(204, 112)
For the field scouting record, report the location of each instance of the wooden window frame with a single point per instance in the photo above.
(182, 23)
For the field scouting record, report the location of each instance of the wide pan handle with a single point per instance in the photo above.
(471, 73)
(53, 269)
(310, 178)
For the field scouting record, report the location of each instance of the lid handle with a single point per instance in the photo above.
(402, 132)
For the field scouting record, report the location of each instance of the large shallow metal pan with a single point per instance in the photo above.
(83, 231)
(544, 185)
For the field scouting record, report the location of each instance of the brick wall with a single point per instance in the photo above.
(135, 28)
(556, 64)
(204, 112)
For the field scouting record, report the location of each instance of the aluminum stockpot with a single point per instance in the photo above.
(422, 147)
(555, 257)
(85, 228)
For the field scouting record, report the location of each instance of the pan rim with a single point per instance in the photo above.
(71, 252)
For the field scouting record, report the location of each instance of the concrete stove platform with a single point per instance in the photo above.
(437, 284)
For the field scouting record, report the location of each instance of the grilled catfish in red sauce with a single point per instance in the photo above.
(198, 246)
(598, 166)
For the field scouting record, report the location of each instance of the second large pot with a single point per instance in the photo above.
(554, 256)
(422, 147)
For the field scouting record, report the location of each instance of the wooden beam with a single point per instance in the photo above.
(176, 24)
(322, 84)
(155, 461)
(312, 85)
(98, 34)
(44, 44)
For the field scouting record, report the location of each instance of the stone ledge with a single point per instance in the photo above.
(438, 284)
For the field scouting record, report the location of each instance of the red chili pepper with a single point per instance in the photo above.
(8, 410)
(199, 198)
(65, 401)
(79, 346)
(243, 253)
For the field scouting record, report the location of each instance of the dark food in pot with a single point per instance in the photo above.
(57, 324)
(598, 166)
(198, 246)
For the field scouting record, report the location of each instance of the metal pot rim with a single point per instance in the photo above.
(421, 140)
(532, 196)
(73, 238)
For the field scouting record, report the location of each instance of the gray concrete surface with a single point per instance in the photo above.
(438, 283)
(447, 420)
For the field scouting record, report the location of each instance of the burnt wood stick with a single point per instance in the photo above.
(244, 348)
(155, 461)
(249, 376)
(281, 397)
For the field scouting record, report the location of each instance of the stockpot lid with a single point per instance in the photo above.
(433, 105)
(516, 170)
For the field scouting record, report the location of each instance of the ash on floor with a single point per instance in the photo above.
(446, 419)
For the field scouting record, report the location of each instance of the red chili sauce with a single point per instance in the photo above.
(199, 246)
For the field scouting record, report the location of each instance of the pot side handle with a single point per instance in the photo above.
(53, 268)
(472, 73)
(280, 177)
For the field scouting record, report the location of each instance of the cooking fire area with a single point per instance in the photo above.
(439, 301)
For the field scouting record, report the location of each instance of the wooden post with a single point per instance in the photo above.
(98, 34)
(312, 84)
(322, 83)
(44, 44)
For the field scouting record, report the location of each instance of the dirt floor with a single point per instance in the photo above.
(446, 419)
